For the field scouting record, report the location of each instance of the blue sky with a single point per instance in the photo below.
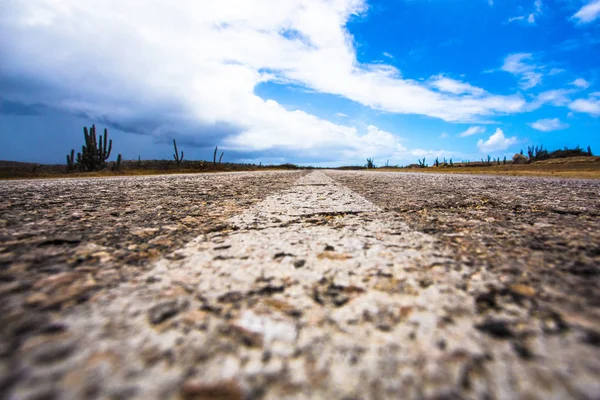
(321, 82)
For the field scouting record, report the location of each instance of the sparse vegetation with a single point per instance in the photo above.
(178, 159)
(370, 163)
(215, 157)
(117, 165)
(93, 154)
(538, 153)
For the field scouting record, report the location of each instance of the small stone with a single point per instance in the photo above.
(166, 309)
(144, 232)
(497, 328)
(193, 389)
(299, 263)
(36, 299)
(523, 290)
(189, 220)
(102, 256)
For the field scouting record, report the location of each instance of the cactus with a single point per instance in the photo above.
(437, 162)
(71, 161)
(220, 158)
(117, 165)
(370, 163)
(139, 162)
(176, 156)
(451, 164)
(94, 153)
(215, 156)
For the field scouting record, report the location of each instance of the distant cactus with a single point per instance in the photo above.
(221, 157)
(94, 154)
(370, 163)
(437, 162)
(176, 156)
(71, 161)
(117, 164)
(422, 164)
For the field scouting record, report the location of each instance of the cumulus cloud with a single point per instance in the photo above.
(519, 65)
(163, 66)
(444, 135)
(549, 124)
(473, 130)
(590, 106)
(588, 13)
(496, 142)
(581, 83)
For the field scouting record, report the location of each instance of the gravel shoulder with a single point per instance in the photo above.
(328, 285)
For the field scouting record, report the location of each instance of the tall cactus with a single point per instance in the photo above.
(71, 161)
(94, 154)
(176, 156)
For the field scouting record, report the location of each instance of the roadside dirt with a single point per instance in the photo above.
(320, 285)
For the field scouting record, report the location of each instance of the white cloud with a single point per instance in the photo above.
(555, 71)
(518, 18)
(444, 135)
(496, 142)
(590, 106)
(473, 130)
(448, 85)
(537, 5)
(556, 97)
(341, 114)
(588, 13)
(547, 125)
(581, 83)
(388, 55)
(528, 73)
(165, 66)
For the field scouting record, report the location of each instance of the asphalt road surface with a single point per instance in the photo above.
(323, 284)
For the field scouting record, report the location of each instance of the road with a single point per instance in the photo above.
(325, 284)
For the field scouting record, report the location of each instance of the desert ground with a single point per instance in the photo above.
(300, 284)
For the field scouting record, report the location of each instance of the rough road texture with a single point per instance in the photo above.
(441, 287)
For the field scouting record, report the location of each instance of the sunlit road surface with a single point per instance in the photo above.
(340, 285)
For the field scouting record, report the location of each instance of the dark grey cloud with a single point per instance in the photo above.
(8, 107)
